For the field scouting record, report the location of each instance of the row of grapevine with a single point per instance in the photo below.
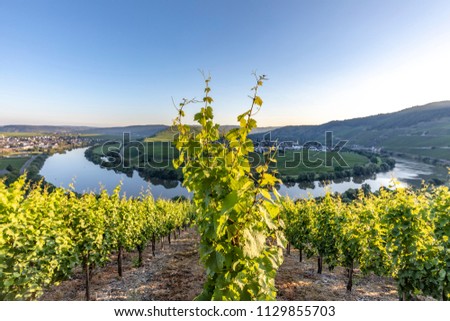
(45, 234)
(402, 233)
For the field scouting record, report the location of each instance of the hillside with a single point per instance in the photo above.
(136, 131)
(168, 134)
(421, 130)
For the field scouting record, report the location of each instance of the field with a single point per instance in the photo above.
(176, 274)
(165, 135)
(158, 153)
(295, 162)
(15, 162)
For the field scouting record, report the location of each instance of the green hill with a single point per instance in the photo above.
(421, 130)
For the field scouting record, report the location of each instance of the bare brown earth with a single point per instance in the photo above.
(176, 274)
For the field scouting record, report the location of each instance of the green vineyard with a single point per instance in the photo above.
(45, 235)
(403, 234)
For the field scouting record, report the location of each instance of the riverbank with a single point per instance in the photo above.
(31, 166)
(150, 166)
(440, 175)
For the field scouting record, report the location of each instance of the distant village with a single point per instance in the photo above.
(27, 145)
(264, 146)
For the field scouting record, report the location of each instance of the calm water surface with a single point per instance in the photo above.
(73, 168)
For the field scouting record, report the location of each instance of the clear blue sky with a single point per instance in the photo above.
(119, 62)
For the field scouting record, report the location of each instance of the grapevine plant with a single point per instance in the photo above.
(237, 216)
(45, 234)
(403, 234)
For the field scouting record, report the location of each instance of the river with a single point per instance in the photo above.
(72, 167)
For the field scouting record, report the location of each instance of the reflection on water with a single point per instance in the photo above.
(73, 167)
(406, 172)
(315, 189)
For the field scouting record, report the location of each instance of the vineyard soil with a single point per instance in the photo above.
(176, 274)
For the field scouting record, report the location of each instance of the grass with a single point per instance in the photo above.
(157, 153)
(165, 135)
(296, 162)
(99, 150)
(15, 162)
(168, 134)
